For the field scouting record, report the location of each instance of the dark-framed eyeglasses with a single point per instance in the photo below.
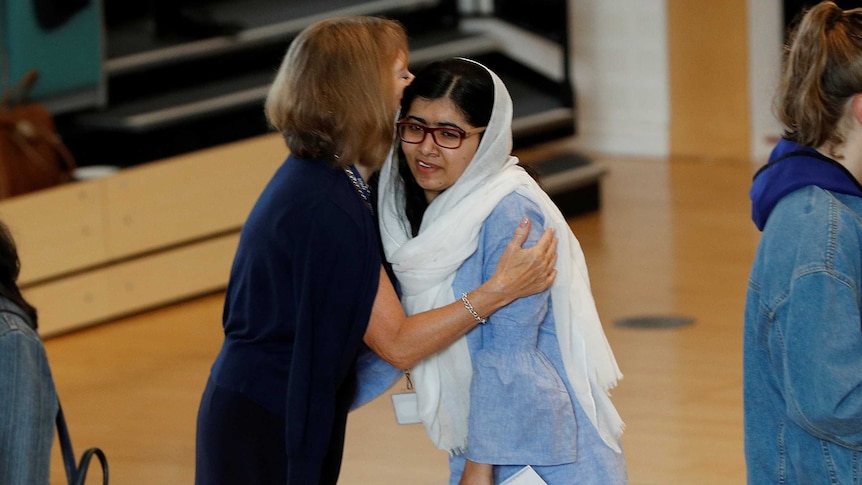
(444, 136)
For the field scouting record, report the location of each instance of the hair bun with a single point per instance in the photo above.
(827, 14)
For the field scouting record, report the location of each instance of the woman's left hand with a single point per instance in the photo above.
(524, 272)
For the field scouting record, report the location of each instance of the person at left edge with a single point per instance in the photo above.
(29, 399)
(307, 285)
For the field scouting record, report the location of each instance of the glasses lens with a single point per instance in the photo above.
(447, 138)
(411, 133)
(443, 137)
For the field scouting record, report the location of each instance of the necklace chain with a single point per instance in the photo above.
(361, 187)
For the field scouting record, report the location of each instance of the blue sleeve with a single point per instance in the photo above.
(819, 348)
(28, 411)
(374, 376)
(520, 409)
(496, 234)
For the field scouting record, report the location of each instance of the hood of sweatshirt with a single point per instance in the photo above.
(791, 167)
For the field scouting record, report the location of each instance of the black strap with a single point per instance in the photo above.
(65, 445)
(77, 474)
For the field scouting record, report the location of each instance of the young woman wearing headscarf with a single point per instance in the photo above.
(530, 387)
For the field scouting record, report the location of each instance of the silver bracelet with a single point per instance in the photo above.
(469, 307)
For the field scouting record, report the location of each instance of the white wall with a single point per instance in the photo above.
(620, 70)
(620, 67)
(765, 39)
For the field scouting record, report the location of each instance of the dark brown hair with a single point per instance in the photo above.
(10, 266)
(333, 96)
(470, 88)
(822, 71)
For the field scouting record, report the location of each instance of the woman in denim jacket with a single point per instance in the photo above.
(803, 330)
(29, 405)
(531, 386)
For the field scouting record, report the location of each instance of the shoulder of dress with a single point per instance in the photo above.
(512, 208)
(516, 202)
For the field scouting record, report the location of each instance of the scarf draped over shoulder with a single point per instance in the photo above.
(425, 266)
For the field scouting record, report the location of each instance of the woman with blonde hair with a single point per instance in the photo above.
(307, 289)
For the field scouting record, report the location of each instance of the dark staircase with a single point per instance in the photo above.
(169, 94)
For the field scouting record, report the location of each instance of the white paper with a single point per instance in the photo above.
(525, 476)
(406, 408)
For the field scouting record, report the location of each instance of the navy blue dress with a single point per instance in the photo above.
(298, 301)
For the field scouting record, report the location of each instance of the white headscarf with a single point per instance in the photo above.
(426, 266)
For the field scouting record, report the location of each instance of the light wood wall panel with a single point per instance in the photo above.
(172, 275)
(188, 197)
(708, 63)
(138, 239)
(69, 303)
(124, 288)
(57, 230)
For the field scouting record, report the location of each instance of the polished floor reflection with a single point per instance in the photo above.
(673, 238)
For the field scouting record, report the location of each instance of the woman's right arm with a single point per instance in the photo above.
(403, 341)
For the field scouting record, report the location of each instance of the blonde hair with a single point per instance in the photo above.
(822, 71)
(333, 98)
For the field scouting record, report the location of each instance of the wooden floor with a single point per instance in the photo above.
(673, 238)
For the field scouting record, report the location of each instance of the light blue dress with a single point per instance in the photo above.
(522, 408)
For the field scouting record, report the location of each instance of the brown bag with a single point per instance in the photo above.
(32, 155)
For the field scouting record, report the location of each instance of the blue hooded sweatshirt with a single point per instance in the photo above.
(791, 167)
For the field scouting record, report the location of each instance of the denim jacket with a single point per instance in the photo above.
(803, 343)
(29, 402)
